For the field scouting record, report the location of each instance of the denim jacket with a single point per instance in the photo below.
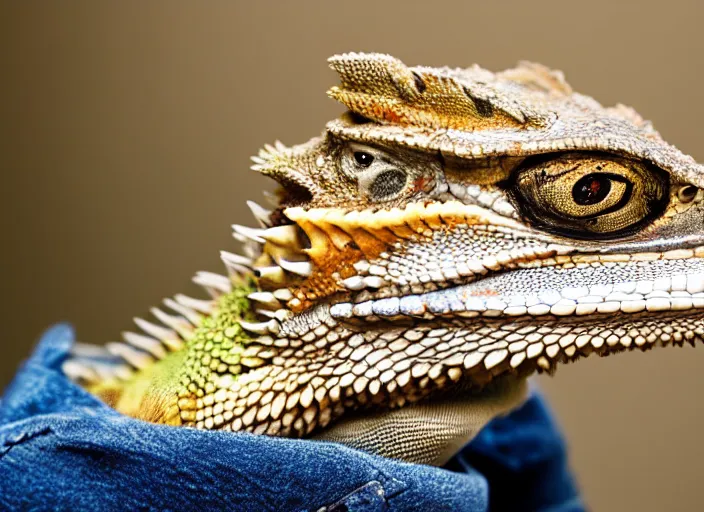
(62, 449)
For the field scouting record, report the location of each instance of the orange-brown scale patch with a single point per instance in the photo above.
(339, 239)
(332, 265)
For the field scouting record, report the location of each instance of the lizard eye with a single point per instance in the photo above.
(379, 176)
(363, 158)
(584, 196)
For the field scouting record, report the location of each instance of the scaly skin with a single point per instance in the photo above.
(455, 229)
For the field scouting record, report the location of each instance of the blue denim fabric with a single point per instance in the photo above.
(61, 449)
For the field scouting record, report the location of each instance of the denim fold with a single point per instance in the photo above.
(63, 449)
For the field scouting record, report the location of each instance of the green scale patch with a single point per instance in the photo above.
(218, 345)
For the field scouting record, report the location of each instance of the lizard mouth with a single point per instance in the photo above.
(547, 291)
(324, 256)
(517, 303)
(487, 332)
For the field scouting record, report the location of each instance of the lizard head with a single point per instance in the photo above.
(456, 226)
(453, 232)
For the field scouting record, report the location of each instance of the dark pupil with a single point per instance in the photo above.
(591, 189)
(363, 159)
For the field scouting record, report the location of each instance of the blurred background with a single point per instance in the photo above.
(125, 135)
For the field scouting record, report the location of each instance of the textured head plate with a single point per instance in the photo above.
(473, 113)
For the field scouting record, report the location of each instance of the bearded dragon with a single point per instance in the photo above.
(454, 232)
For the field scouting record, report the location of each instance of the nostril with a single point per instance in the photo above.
(687, 193)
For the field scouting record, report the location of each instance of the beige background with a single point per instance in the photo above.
(125, 135)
